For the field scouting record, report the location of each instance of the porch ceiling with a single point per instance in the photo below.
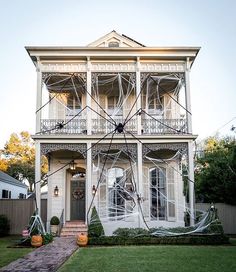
(66, 154)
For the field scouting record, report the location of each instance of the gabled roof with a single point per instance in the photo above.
(8, 179)
(113, 36)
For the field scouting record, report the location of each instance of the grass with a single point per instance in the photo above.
(7, 255)
(153, 258)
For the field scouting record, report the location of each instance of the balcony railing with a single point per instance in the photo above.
(102, 126)
(164, 126)
(56, 126)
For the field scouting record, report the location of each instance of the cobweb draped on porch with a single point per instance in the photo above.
(115, 109)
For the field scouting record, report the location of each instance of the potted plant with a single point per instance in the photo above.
(54, 225)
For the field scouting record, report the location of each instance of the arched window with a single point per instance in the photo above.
(158, 196)
(116, 183)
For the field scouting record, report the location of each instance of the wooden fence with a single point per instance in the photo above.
(226, 214)
(19, 211)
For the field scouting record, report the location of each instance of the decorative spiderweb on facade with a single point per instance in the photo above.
(122, 196)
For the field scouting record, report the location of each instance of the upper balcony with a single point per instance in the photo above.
(156, 108)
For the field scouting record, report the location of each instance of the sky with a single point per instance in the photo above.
(210, 24)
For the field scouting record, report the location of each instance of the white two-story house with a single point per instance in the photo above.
(114, 120)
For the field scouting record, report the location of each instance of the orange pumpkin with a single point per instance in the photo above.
(82, 239)
(36, 240)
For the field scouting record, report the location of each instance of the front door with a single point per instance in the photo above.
(78, 200)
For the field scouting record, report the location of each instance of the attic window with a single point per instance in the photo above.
(113, 44)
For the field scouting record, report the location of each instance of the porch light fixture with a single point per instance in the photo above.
(93, 190)
(72, 165)
(56, 191)
(82, 175)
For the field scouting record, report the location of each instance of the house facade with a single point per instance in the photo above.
(11, 188)
(114, 120)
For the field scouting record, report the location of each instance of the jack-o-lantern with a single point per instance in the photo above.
(36, 240)
(82, 239)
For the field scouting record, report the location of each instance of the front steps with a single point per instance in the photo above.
(73, 228)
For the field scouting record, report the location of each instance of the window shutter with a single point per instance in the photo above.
(171, 194)
(146, 202)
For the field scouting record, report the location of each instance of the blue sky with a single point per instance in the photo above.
(210, 24)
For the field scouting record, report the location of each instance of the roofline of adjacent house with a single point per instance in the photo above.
(14, 183)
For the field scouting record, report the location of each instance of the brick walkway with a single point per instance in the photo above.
(45, 258)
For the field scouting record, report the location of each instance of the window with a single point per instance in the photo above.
(73, 104)
(113, 44)
(153, 104)
(113, 106)
(6, 194)
(158, 197)
(116, 200)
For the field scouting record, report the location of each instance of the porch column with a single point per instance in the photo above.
(88, 98)
(140, 175)
(88, 179)
(191, 182)
(38, 175)
(138, 94)
(187, 96)
(38, 98)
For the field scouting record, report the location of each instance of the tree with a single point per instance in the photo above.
(215, 174)
(18, 158)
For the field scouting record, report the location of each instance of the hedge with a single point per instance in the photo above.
(167, 240)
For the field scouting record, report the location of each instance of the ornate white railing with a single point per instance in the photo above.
(59, 126)
(102, 126)
(164, 126)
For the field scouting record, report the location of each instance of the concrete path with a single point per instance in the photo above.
(45, 258)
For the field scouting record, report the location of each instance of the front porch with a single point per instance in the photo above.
(131, 185)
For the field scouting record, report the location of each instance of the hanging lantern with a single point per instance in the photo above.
(72, 165)
(56, 191)
(93, 190)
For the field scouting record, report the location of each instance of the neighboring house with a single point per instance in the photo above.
(114, 119)
(11, 188)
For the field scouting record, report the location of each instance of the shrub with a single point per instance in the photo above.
(131, 232)
(54, 221)
(47, 238)
(4, 225)
(95, 228)
(177, 240)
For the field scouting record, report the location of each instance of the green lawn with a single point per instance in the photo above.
(153, 258)
(7, 255)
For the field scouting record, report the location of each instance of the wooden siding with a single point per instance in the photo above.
(19, 211)
(226, 213)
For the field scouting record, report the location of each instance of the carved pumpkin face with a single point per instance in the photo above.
(82, 239)
(36, 240)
